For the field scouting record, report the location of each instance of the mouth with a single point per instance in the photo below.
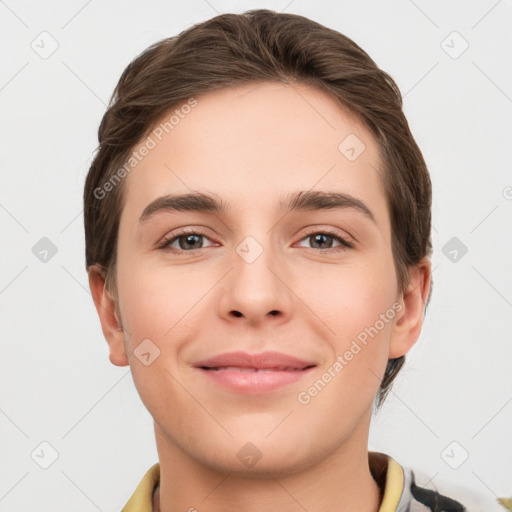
(254, 373)
(252, 369)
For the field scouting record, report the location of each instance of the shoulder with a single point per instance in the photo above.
(405, 489)
(142, 499)
(423, 495)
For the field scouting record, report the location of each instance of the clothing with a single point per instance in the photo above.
(399, 491)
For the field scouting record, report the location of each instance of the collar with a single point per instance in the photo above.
(388, 474)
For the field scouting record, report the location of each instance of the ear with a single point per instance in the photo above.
(110, 324)
(407, 327)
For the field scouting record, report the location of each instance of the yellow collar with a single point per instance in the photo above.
(142, 498)
(386, 471)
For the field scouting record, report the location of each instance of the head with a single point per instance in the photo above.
(249, 110)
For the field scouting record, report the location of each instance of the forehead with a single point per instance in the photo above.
(254, 144)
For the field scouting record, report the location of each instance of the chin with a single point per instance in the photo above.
(268, 466)
(261, 458)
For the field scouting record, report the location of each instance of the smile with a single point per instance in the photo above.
(254, 381)
(249, 370)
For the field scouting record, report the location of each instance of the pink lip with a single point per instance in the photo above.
(265, 360)
(254, 373)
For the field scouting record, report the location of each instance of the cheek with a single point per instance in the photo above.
(158, 308)
(353, 296)
(361, 314)
(155, 302)
(358, 304)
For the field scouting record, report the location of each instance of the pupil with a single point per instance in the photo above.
(190, 240)
(321, 238)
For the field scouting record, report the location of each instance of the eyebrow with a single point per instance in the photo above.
(299, 201)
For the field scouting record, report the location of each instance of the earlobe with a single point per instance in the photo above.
(408, 323)
(110, 322)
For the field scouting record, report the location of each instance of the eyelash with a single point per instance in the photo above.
(172, 237)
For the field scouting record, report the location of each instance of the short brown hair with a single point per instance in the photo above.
(260, 45)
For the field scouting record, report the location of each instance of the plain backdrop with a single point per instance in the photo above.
(450, 412)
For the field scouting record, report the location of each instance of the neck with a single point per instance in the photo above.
(341, 481)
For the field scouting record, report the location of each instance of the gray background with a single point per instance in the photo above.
(453, 399)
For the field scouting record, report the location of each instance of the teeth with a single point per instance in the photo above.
(252, 370)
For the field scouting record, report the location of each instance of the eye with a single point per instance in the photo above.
(323, 241)
(186, 240)
(190, 239)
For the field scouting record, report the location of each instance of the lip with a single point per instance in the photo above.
(254, 373)
(262, 361)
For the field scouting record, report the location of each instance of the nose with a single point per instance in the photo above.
(256, 291)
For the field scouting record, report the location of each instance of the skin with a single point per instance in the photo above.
(253, 145)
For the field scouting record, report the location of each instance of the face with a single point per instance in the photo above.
(311, 279)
